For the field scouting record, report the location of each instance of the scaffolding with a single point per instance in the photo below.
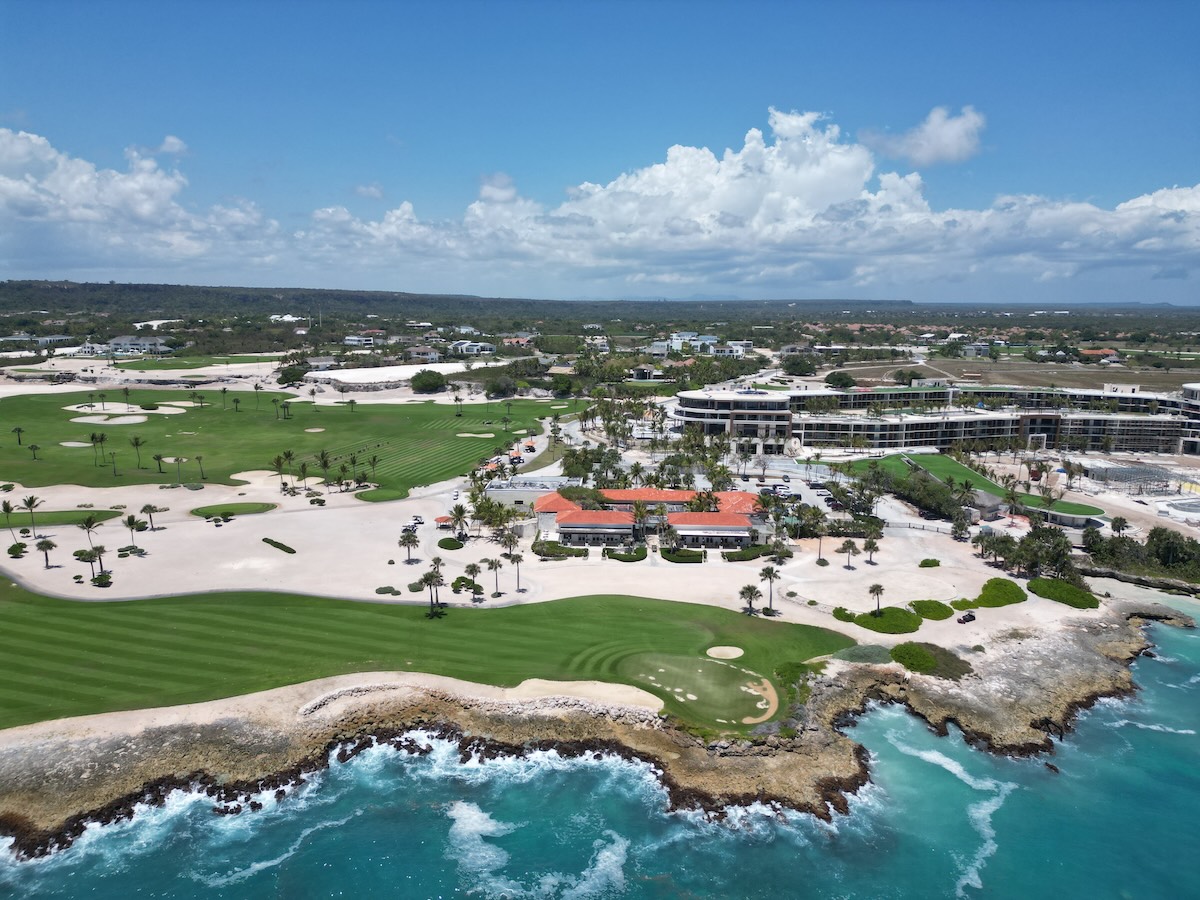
(1132, 479)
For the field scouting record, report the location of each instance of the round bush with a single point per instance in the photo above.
(929, 563)
(914, 657)
(450, 544)
(842, 614)
(891, 620)
(1063, 592)
(931, 609)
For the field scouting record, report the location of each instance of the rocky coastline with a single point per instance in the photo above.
(1026, 689)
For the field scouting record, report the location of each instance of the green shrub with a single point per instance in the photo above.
(914, 657)
(278, 546)
(842, 614)
(891, 620)
(17, 550)
(996, 592)
(929, 563)
(753, 552)
(555, 550)
(822, 561)
(1063, 592)
(386, 589)
(810, 602)
(415, 587)
(150, 406)
(963, 604)
(931, 609)
(638, 554)
(864, 653)
(450, 544)
(682, 555)
(102, 580)
(463, 583)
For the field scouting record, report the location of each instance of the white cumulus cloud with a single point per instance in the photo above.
(372, 191)
(172, 145)
(941, 138)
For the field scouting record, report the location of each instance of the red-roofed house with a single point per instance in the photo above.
(594, 526)
(709, 529)
(548, 506)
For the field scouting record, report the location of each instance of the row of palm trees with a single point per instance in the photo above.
(348, 471)
(88, 525)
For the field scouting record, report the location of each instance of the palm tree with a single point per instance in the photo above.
(459, 518)
(870, 547)
(494, 565)
(46, 545)
(670, 537)
(149, 510)
(8, 509)
(509, 540)
(99, 441)
(304, 475)
(770, 575)
(100, 551)
(158, 458)
(352, 403)
(95, 438)
(750, 593)
(876, 591)
(324, 461)
(237, 403)
(850, 549)
(137, 444)
(34, 448)
(373, 462)
(516, 559)
(18, 431)
(31, 503)
(200, 463)
(89, 557)
(179, 468)
(275, 403)
(103, 397)
(224, 394)
(134, 524)
(1118, 524)
(257, 390)
(89, 525)
(408, 541)
(289, 456)
(472, 570)
(429, 580)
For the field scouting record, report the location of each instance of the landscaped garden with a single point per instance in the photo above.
(397, 446)
(62, 658)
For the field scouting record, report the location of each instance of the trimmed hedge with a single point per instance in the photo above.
(929, 563)
(914, 657)
(931, 609)
(555, 550)
(463, 583)
(1063, 592)
(278, 546)
(891, 620)
(682, 555)
(450, 544)
(753, 552)
(842, 614)
(638, 554)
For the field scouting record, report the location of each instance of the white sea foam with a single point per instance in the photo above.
(1150, 726)
(262, 865)
(478, 861)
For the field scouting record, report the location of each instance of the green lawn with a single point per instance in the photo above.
(942, 467)
(415, 443)
(169, 363)
(233, 509)
(63, 658)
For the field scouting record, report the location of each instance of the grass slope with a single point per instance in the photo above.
(416, 443)
(62, 658)
(48, 518)
(943, 467)
(172, 363)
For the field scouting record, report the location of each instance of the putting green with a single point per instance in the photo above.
(232, 509)
(710, 689)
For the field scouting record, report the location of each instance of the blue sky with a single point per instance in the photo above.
(928, 151)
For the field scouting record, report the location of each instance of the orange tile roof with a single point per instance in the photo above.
(594, 517)
(646, 495)
(742, 502)
(708, 519)
(553, 503)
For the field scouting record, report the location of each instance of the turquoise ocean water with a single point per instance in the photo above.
(939, 820)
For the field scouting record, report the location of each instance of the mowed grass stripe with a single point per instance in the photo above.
(173, 650)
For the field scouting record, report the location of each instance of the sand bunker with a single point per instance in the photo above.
(118, 405)
(181, 402)
(769, 703)
(725, 652)
(74, 444)
(469, 434)
(313, 430)
(559, 406)
(521, 431)
(174, 459)
(109, 420)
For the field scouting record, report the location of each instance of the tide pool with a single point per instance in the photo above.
(939, 819)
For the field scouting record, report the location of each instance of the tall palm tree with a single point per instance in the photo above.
(429, 580)
(472, 570)
(770, 575)
(149, 510)
(100, 440)
(224, 394)
(18, 431)
(257, 390)
(408, 541)
(8, 509)
(237, 404)
(200, 463)
(870, 547)
(304, 475)
(137, 443)
(277, 465)
(89, 525)
(275, 403)
(373, 462)
(509, 540)
(46, 545)
(158, 458)
(850, 549)
(324, 461)
(352, 403)
(750, 593)
(95, 438)
(99, 550)
(459, 518)
(289, 456)
(876, 591)
(34, 448)
(134, 524)
(29, 504)
(516, 559)
(1118, 524)
(494, 565)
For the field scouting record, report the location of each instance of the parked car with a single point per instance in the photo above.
(454, 496)
(787, 477)
(417, 520)
(965, 618)
(409, 527)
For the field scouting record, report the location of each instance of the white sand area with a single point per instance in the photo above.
(725, 652)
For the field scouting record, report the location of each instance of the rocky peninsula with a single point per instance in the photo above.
(1025, 689)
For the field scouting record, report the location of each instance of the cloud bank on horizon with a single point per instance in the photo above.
(797, 211)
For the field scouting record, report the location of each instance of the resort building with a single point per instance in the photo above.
(1115, 417)
(733, 524)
